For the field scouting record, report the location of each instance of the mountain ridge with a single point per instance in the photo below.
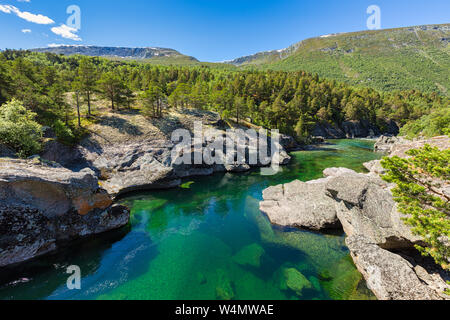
(135, 53)
(416, 57)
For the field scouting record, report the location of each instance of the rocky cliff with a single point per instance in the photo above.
(353, 129)
(136, 153)
(43, 206)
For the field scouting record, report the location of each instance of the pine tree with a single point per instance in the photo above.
(87, 75)
(420, 197)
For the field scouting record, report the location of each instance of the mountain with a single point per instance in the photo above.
(161, 55)
(391, 59)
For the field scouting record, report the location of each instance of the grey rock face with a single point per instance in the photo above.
(392, 277)
(151, 165)
(366, 207)
(353, 129)
(398, 146)
(299, 204)
(375, 167)
(42, 206)
(68, 157)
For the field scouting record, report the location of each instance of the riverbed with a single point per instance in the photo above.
(207, 240)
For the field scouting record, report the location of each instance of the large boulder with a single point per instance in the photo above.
(304, 205)
(375, 167)
(392, 277)
(365, 206)
(42, 206)
(299, 204)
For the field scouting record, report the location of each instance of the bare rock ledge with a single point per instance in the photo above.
(43, 206)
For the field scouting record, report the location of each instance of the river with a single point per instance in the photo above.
(207, 240)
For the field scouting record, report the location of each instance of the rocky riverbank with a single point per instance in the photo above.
(43, 206)
(381, 245)
(68, 192)
(130, 153)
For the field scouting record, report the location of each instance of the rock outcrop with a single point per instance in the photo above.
(302, 205)
(353, 129)
(398, 146)
(151, 164)
(382, 246)
(392, 277)
(44, 206)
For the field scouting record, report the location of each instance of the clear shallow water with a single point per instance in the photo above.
(207, 241)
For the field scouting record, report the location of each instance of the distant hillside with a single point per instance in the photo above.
(160, 54)
(394, 59)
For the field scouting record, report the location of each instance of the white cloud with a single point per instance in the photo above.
(66, 32)
(26, 30)
(28, 16)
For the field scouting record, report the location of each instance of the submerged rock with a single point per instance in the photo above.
(250, 256)
(224, 289)
(342, 281)
(42, 206)
(295, 281)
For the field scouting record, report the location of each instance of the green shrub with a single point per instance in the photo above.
(64, 133)
(19, 130)
(434, 124)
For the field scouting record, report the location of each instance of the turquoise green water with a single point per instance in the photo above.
(207, 240)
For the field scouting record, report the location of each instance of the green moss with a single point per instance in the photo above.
(187, 185)
(295, 281)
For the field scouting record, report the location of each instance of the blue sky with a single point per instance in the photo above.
(210, 30)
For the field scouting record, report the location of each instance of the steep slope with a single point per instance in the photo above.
(145, 54)
(393, 59)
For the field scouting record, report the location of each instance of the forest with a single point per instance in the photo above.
(44, 89)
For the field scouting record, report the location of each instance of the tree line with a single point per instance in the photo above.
(293, 102)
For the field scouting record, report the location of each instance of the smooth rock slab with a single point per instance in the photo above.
(301, 205)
